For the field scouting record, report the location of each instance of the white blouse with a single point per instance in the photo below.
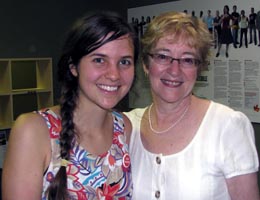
(223, 147)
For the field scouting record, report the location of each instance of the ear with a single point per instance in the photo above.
(73, 70)
(146, 69)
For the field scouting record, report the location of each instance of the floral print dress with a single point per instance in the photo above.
(91, 177)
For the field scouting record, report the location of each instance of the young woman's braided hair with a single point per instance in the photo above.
(87, 35)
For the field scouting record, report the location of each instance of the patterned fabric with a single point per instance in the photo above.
(90, 177)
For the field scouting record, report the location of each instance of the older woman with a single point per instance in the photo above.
(184, 147)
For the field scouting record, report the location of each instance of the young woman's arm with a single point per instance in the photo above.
(26, 159)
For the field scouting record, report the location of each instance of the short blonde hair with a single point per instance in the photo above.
(182, 27)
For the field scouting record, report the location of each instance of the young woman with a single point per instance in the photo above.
(78, 150)
(226, 34)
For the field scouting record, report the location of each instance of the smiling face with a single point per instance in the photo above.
(171, 83)
(106, 74)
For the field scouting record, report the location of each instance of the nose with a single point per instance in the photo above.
(113, 72)
(174, 67)
(176, 59)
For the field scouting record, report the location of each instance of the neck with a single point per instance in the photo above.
(158, 118)
(89, 119)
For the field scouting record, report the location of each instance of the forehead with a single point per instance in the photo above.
(122, 43)
(173, 43)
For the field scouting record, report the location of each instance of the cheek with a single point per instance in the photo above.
(87, 76)
(154, 71)
(154, 77)
(128, 75)
(192, 76)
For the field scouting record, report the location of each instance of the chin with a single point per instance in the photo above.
(108, 105)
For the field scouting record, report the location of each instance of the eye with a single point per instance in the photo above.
(125, 63)
(98, 60)
(161, 57)
(188, 61)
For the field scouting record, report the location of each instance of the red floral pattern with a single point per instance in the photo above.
(90, 177)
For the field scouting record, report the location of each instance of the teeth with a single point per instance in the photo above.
(173, 83)
(108, 88)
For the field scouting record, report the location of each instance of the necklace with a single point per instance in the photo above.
(173, 125)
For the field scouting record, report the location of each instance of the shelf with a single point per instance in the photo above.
(25, 86)
(5, 76)
(29, 90)
(6, 117)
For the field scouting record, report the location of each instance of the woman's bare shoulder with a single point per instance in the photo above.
(32, 125)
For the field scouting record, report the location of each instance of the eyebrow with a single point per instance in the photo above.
(98, 54)
(131, 57)
(183, 53)
(162, 49)
(104, 55)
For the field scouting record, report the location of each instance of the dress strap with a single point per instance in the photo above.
(52, 120)
(119, 125)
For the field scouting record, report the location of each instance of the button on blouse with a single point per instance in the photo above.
(158, 160)
(157, 194)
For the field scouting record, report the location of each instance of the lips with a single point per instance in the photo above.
(171, 83)
(108, 88)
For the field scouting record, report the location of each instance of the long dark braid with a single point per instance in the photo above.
(58, 187)
(87, 35)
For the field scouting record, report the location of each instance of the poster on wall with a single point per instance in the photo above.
(233, 73)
